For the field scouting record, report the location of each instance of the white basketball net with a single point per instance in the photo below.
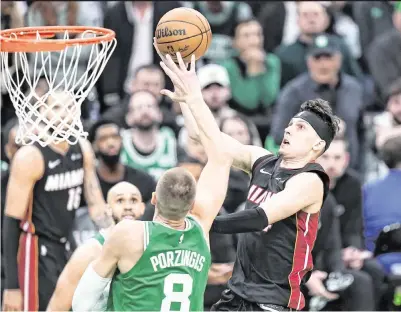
(58, 82)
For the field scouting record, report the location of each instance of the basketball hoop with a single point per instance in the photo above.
(69, 66)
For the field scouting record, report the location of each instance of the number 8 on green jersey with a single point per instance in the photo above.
(171, 274)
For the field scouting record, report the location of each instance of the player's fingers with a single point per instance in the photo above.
(171, 95)
(192, 63)
(329, 295)
(181, 62)
(171, 65)
(173, 76)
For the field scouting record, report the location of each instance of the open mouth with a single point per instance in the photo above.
(285, 142)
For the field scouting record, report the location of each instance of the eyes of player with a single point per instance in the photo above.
(132, 200)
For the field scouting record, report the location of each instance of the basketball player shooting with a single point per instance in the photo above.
(43, 193)
(163, 265)
(125, 202)
(285, 196)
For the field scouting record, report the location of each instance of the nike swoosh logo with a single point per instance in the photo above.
(265, 172)
(54, 164)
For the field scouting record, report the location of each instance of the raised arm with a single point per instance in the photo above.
(198, 117)
(27, 167)
(296, 196)
(93, 193)
(67, 282)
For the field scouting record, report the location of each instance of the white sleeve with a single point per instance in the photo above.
(88, 294)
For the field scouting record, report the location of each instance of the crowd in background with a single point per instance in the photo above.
(265, 60)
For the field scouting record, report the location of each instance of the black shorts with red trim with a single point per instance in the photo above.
(232, 302)
(40, 263)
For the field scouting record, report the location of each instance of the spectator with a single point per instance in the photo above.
(385, 124)
(107, 145)
(358, 295)
(133, 22)
(324, 80)
(342, 179)
(343, 26)
(373, 19)
(216, 91)
(312, 20)
(383, 55)
(381, 199)
(254, 75)
(146, 145)
(273, 17)
(150, 78)
(223, 17)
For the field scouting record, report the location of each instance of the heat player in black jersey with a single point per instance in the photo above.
(44, 189)
(284, 200)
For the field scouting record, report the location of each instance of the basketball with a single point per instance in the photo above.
(183, 30)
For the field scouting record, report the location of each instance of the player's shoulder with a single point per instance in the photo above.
(261, 158)
(28, 157)
(309, 179)
(127, 231)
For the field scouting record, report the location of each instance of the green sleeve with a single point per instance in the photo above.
(249, 92)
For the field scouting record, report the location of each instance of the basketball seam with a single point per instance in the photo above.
(204, 26)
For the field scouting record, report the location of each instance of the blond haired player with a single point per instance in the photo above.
(125, 202)
(163, 265)
(44, 190)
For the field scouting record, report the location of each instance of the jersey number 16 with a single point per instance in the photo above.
(181, 297)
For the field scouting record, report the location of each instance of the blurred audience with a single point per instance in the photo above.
(254, 74)
(107, 144)
(381, 200)
(133, 22)
(324, 80)
(216, 91)
(331, 280)
(146, 145)
(335, 161)
(223, 17)
(383, 54)
(150, 78)
(313, 20)
(373, 19)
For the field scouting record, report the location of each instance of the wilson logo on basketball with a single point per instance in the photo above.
(166, 32)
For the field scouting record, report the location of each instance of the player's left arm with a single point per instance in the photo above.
(302, 192)
(93, 193)
(99, 273)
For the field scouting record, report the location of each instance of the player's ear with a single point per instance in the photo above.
(319, 146)
(153, 200)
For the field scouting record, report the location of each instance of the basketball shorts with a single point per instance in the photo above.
(40, 263)
(232, 302)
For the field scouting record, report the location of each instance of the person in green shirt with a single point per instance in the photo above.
(163, 265)
(125, 202)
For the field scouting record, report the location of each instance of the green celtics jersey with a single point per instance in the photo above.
(164, 157)
(171, 275)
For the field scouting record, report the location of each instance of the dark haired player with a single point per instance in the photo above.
(44, 190)
(285, 196)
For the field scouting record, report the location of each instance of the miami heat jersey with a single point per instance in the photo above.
(271, 264)
(58, 193)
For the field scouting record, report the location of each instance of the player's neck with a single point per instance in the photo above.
(145, 140)
(178, 225)
(294, 163)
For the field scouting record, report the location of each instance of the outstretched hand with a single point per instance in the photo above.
(186, 83)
